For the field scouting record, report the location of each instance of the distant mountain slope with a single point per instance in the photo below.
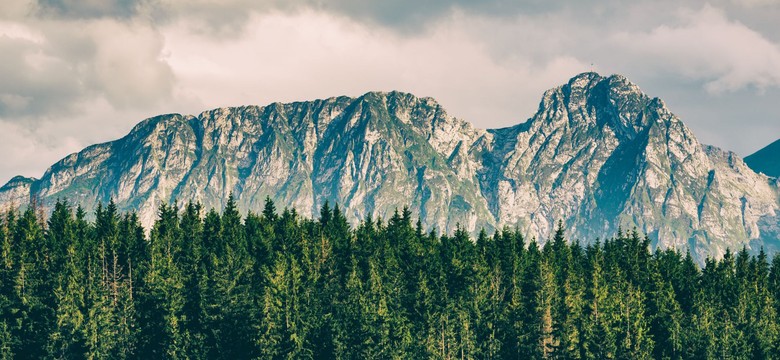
(766, 160)
(16, 192)
(597, 154)
(369, 154)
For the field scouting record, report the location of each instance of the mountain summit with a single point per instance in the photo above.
(766, 160)
(598, 154)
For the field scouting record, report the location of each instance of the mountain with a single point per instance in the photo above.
(766, 160)
(598, 154)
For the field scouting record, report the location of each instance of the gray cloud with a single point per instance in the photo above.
(725, 54)
(53, 67)
(398, 13)
(409, 15)
(85, 9)
(34, 82)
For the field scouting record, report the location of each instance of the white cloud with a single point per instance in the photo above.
(306, 55)
(128, 68)
(52, 67)
(18, 31)
(67, 84)
(26, 151)
(754, 3)
(726, 54)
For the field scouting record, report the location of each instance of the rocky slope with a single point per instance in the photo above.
(766, 160)
(598, 154)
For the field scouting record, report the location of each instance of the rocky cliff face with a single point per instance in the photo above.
(601, 154)
(16, 192)
(598, 154)
(370, 155)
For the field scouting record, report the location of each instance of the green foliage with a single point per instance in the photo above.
(275, 285)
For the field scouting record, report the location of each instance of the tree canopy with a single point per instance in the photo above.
(219, 285)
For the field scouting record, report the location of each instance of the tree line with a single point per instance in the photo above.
(209, 285)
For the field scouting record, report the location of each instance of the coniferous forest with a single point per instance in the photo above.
(278, 285)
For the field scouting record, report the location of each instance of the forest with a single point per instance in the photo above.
(276, 285)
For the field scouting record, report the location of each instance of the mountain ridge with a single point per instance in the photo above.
(766, 160)
(597, 154)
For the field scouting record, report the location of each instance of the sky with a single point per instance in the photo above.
(78, 72)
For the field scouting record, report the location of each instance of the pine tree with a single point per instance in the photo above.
(67, 339)
(193, 271)
(666, 321)
(283, 286)
(211, 315)
(6, 342)
(528, 325)
(488, 298)
(634, 333)
(599, 339)
(232, 278)
(8, 300)
(350, 339)
(282, 330)
(32, 301)
(547, 298)
(163, 299)
(99, 335)
(573, 290)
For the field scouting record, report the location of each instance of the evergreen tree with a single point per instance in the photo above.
(282, 330)
(231, 281)
(283, 286)
(67, 339)
(667, 318)
(31, 298)
(529, 326)
(600, 340)
(163, 297)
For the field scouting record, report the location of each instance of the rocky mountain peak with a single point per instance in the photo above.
(614, 101)
(598, 154)
(19, 180)
(17, 191)
(583, 82)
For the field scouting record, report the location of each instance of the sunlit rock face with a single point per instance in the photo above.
(598, 154)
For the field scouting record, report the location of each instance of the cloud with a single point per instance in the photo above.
(229, 17)
(412, 14)
(55, 66)
(69, 83)
(726, 54)
(25, 151)
(324, 55)
(34, 81)
(16, 9)
(85, 9)
(754, 3)
(127, 66)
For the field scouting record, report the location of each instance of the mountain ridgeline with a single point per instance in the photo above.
(598, 154)
(766, 160)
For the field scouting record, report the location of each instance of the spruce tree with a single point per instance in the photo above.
(67, 339)
(163, 297)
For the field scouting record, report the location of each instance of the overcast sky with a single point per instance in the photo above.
(77, 72)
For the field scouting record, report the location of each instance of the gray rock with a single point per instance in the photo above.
(598, 154)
